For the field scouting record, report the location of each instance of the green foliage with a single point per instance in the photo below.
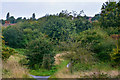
(102, 44)
(81, 24)
(64, 32)
(43, 72)
(110, 14)
(82, 67)
(21, 51)
(38, 49)
(19, 19)
(96, 17)
(33, 16)
(8, 15)
(14, 37)
(11, 19)
(23, 61)
(2, 21)
(115, 55)
(47, 61)
(6, 51)
(58, 28)
(77, 55)
(112, 30)
(21, 34)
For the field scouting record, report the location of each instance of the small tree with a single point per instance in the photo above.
(12, 19)
(40, 53)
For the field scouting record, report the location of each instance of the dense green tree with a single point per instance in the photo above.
(12, 19)
(8, 15)
(33, 16)
(100, 42)
(19, 19)
(2, 21)
(110, 14)
(96, 17)
(81, 24)
(58, 28)
(24, 18)
(14, 37)
(40, 52)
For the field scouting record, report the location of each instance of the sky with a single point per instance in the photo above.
(25, 8)
(53, 0)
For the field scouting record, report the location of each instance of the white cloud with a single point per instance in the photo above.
(53, 0)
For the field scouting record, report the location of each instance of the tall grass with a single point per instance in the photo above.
(12, 68)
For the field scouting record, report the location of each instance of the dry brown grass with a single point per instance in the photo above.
(15, 70)
(58, 58)
(65, 73)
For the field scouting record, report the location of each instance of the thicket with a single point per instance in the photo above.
(110, 14)
(40, 53)
(6, 51)
(84, 40)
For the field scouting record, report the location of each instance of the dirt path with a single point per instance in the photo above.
(64, 73)
(58, 58)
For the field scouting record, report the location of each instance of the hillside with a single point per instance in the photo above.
(45, 46)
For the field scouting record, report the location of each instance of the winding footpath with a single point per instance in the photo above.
(57, 61)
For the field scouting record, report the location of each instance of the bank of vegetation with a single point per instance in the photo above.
(92, 49)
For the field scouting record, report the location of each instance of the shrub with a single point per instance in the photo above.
(40, 52)
(110, 14)
(112, 30)
(78, 56)
(81, 24)
(57, 28)
(115, 55)
(101, 43)
(14, 37)
(6, 51)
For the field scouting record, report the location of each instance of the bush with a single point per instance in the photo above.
(101, 43)
(58, 28)
(40, 52)
(81, 24)
(110, 14)
(6, 51)
(80, 58)
(14, 37)
(43, 72)
(115, 55)
(19, 35)
(112, 30)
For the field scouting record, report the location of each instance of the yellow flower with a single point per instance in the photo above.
(2, 37)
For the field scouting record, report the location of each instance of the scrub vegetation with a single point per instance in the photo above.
(45, 46)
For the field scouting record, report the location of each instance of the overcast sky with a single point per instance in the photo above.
(25, 8)
(53, 0)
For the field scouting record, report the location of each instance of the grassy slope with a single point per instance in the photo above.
(13, 69)
(98, 70)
